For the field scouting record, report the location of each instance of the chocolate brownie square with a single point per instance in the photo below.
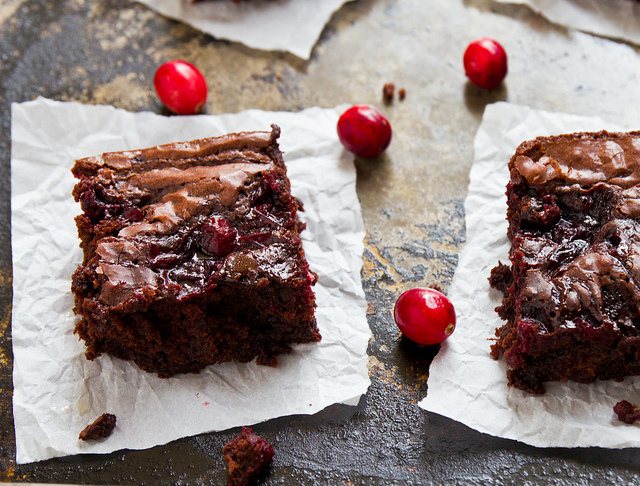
(192, 255)
(572, 295)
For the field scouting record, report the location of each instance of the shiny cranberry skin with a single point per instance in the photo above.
(181, 87)
(218, 237)
(485, 63)
(364, 131)
(133, 214)
(425, 316)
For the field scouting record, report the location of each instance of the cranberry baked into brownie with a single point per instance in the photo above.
(192, 255)
(572, 293)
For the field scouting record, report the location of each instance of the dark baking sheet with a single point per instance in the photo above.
(106, 51)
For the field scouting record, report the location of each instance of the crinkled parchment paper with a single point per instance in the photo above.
(465, 383)
(57, 392)
(618, 19)
(281, 25)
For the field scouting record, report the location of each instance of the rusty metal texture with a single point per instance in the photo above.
(106, 52)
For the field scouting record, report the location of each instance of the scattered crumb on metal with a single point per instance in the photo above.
(388, 92)
(371, 309)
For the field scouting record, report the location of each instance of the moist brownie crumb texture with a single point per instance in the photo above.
(626, 412)
(100, 428)
(246, 455)
(572, 293)
(192, 255)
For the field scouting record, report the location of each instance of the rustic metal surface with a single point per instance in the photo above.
(106, 52)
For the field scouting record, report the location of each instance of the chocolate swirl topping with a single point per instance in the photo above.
(150, 208)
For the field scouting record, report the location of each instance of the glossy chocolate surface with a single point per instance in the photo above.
(157, 201)
(192, 255)
(572, 308)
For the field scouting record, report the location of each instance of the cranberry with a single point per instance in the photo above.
(181, 87)
(485, 63)
(425, 316)
(94, 209)
(218, 237)
(132, 214)
(364, 130)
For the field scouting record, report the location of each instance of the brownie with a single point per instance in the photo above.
(571, 295)
(100, 428)
(246, 455)
(192, 255)
(626, 412)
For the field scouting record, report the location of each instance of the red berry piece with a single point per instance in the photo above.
(364, 131)
(132, 214)
(181, 87)
(485, 63)
(218, 237)
(425, 316)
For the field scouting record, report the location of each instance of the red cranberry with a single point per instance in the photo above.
(181, 87)
(485, 63)
(218, 237)
(364, 130)
(94, 209)
(132, 213)
(425, 316)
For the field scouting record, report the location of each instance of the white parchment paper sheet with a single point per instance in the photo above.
(281, 25)
(618, 19)
(57, 392)
(465, 383)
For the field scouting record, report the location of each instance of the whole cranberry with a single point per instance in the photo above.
(364, 131)
(425, 315)
(485, 63)
(181, 87)
(218, 237)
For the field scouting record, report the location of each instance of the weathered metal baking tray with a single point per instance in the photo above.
(106, 51)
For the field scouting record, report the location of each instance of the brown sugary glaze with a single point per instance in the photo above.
(572, 295)
(192, 254)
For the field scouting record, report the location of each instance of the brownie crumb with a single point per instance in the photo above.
(501, 277)
(371, 309)
(388, 92)
(627, 412)
(100, 428)
(246, 455)
(402, 94)
(436, 287)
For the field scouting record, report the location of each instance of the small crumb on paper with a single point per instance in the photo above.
(100, 428)
(627, 412)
